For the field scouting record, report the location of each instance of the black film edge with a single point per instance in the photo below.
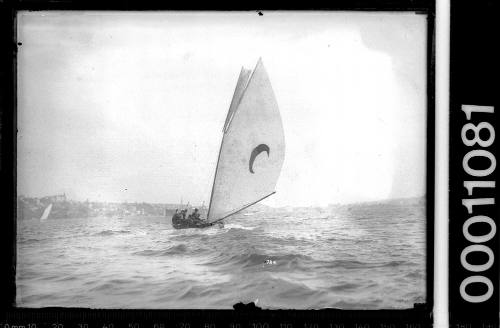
(473, 202)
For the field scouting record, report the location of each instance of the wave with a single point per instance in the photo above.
(177, 249)
(346, 287)
(256, 259)
(30, 241)
(237, 226)
(352, 264)
(111, 232)
(111, 285)
(415, 275)
(174, 250)
(197, 292)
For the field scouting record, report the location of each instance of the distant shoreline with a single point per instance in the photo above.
(33, 207)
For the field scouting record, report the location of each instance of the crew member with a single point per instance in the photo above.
(196, 214)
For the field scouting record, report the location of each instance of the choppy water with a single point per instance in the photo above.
(355, 260)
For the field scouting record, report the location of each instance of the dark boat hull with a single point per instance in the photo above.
(179, 223)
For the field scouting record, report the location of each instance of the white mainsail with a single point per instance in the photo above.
(46, 212)
(252, 149)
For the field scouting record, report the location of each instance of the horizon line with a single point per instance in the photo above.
(203, 203)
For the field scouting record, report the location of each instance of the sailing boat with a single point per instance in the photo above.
(251, 153)
(46, 213)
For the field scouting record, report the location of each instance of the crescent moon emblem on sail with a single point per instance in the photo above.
(255, 152)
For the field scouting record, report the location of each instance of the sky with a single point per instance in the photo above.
(129, 106)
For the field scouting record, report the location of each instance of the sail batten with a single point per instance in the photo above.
(252, 148)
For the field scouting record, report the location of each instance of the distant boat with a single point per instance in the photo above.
(251, 154)
(46, 213)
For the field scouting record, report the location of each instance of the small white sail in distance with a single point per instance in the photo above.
(46, 212)
(252, 149)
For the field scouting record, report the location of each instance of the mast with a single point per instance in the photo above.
(232, 108)
(215, 176)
